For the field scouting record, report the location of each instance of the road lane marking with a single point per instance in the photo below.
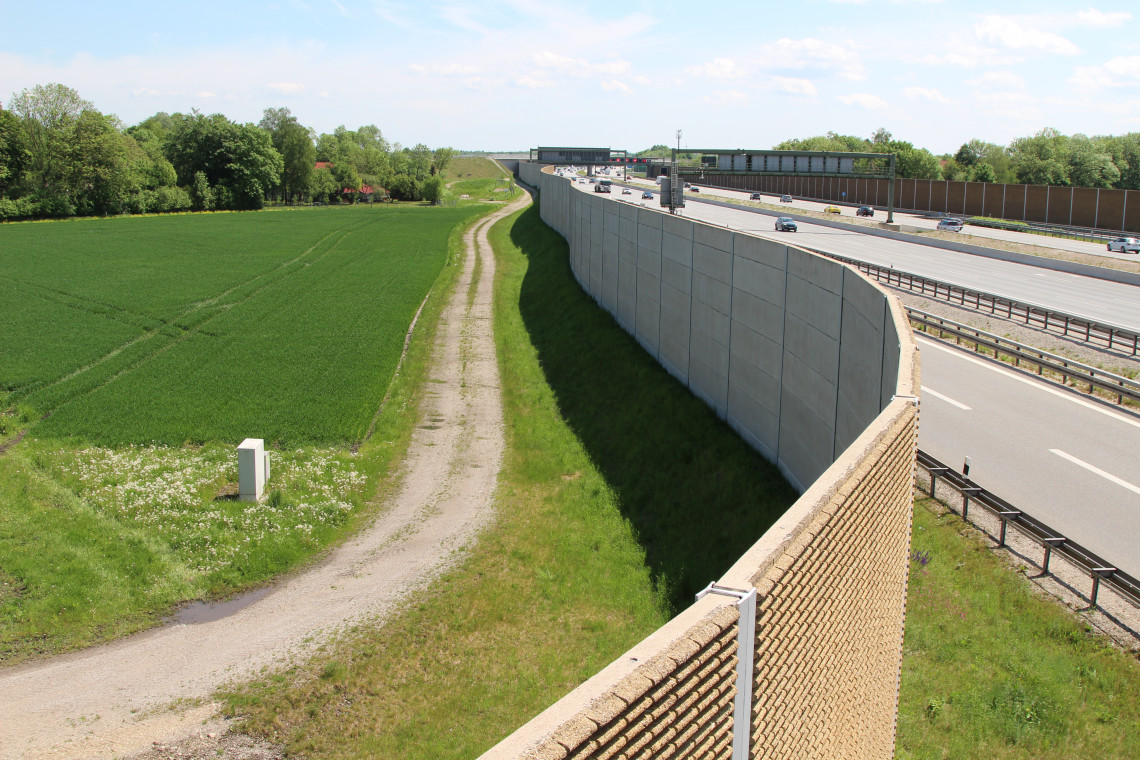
(1096, 471)
(1033, 383)
(947, 399)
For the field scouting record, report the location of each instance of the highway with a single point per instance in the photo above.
(929, 223)
(1098, 300)
(1066, 460)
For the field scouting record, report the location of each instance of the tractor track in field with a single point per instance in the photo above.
(151, 693)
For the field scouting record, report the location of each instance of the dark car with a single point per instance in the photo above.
(864, 211)
(648, 196)
(785, 199)
(694, 189)
(786, 224)
(754, 197)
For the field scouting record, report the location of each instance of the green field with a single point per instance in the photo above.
(283, 325)
(153, 346)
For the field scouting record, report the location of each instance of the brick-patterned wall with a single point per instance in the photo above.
(830, 613)
(671, 696)
(831, 577)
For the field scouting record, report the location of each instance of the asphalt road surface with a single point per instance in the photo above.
(1069, 461)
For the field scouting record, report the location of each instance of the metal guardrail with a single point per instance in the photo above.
(1087, 234)
(1098, 569)
(1087, 331)
(1118, 385)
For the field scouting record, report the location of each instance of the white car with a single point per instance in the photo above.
(626, 191)
(950, 225)
(1125, 245)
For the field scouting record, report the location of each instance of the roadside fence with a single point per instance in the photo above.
(1077, 328)
(1099, 570)
(1117, 386)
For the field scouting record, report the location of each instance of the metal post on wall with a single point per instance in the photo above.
(745, 654)
(891, 192)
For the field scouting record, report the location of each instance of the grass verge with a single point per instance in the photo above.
(98, 543)
(621, 495)
(991, 669)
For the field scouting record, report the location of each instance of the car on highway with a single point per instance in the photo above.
(786, 224)
(754, 197)
(647, 196)
(581, 180)
(692, 189)
(785, 199)
(1125, 245)
(832, 210)
(626, 191)
(864, 211)
(949, 225)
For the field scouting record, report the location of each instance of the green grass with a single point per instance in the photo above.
(472, 167)
(283, 325)
(101, 541)
(612, 510)
(991, 669)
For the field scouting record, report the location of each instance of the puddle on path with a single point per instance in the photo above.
(208, 612)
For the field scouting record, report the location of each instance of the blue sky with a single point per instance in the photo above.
(513, 74)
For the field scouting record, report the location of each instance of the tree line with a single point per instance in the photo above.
(1045, 158)
(60, 156)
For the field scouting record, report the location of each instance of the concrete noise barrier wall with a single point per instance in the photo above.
(795, 652)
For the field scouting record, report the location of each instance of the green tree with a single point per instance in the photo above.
(433, 189)
(441, 159)
(99, 177)
(983, 172)
(238, 160)
(322, 186)
(201, 196)
(298, 155)
(1090, 163)
(1041, 159)
(47, 112)
(14, 154)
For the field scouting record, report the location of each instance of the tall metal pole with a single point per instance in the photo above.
(891, 192)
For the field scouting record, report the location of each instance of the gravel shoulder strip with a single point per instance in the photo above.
(150, 693)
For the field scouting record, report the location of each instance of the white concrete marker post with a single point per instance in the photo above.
(253, 469)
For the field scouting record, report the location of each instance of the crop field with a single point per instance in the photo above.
(153, 346)
(282, 325)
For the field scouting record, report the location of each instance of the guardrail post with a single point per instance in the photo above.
(1005, 515)
(1060, 541)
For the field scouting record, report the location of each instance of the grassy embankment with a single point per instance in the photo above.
(992, 669)
(480, 179)
(617, 489)
(621, 496)
(156, 345)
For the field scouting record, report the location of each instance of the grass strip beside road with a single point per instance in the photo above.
(621, 495)
(992, 669)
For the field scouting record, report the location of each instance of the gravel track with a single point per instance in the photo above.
(150, 692)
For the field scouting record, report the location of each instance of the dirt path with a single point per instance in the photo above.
(116, 699)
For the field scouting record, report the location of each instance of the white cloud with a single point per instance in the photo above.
(864, 100)
(1101, 20)
(925, 94)
(794, 86)
(810, 53)
(719, 68)
(205, 94)
(287, 88)
(1122, 71)
(999, 80)
(579, 67)
(726, 98)
(533, 83)
(446, 69)
(616, 86)
(1012, 33)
